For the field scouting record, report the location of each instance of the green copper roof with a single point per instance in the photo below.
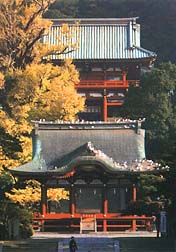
(100, 39)
(61, 147)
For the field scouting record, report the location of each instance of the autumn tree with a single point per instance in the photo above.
(21, 28)
(29, 196)
(31, 90)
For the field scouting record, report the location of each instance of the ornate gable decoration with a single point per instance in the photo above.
(88, 153)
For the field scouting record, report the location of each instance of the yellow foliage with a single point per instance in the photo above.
(1, 80)
(56, 194)
(64, 42)
(29, 89)
(40, 91)
(21, 30)
(19, 130)
(32, 194)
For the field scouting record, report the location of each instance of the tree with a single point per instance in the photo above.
(21, 28)
(30, 89)
(11, 212)
(62, 9)
(29, 196)
(155, 100)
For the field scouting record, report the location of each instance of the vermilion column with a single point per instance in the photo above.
(43, 205)
(105, 210)
(134, 192)
(134, 200)
(72, 200)
(105, 109)
(124, 77)
(43, 199)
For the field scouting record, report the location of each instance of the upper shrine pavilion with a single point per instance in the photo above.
(96, 160)
(109, 58)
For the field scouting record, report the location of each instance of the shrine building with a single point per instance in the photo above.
(109, 59)
(96, 160)
(98, 164)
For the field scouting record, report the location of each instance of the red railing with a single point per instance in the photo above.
(106, 83)
(113, 221)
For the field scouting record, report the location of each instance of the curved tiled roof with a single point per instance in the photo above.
(59, 148)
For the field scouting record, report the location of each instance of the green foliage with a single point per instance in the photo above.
(9, 212)
(6, 183)
(142, 207)
(149, 187)
(61, 9)
(150, 195)
(155, 100)
(25, 218)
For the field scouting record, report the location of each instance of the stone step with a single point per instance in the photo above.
(132, 244)
(92, 244)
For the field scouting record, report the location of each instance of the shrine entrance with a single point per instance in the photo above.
(88, 200)
(96, 201)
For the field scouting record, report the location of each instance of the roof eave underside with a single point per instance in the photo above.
(35, 169)
(132, 54)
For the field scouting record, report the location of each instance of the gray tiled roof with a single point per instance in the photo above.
(58, 147)
(100, 39)
(120, 145)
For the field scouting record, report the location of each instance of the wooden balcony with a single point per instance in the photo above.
(87, 84)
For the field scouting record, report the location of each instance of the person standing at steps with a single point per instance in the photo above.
(72, 245)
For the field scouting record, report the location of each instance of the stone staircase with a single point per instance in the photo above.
(91, 244)
(126, 244)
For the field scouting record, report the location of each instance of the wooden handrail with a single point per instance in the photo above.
(106, 83)
(131, 221)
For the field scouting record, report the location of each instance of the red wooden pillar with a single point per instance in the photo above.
(105, 108)
(105, 210)
(134, 225)
(72, 200)
(134, 192)
(134, 200)
(43, 204)
(43, 199)
(124, 77)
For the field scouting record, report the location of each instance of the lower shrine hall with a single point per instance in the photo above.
(98, 163)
